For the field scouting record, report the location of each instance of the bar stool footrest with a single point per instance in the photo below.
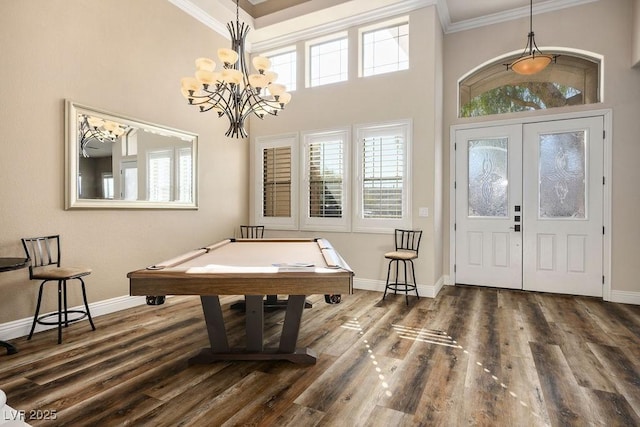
(82, 314)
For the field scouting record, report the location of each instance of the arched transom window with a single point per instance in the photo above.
(572, 80)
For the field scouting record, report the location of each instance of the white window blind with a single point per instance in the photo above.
(325, 184)
(276, 191)
(185, 168)
(383, 187)
(159, 173)
(383, 176)
(326, 168)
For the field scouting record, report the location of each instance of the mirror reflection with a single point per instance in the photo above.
(114, 161)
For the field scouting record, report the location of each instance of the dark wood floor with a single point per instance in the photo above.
(471, 356)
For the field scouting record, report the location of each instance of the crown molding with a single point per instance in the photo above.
(509, 15)
(396, 9)
(406, 6)
(198, 13)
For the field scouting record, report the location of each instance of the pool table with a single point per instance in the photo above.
(253, 268)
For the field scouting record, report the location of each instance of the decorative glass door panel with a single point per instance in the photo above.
(562, 171)
(488, 178)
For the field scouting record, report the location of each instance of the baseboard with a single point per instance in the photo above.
(21, 327)
(625, 297)
(429, 291)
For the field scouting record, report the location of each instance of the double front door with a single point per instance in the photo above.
(528, 206)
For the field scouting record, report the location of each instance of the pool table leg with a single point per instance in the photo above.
(215, 323)
(291, 326)
(254, 323)
(255, 333)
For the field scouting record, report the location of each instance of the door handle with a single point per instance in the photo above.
(515, 228)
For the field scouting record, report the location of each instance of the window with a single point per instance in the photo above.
(159, 176)
(276, 201)
(184, 173)
(328, 60)
(169, 175)
(325, 183)
(385, 50)
(382, 183)
(284, 63)
(107, 185)
(492, 89)
(129, 172)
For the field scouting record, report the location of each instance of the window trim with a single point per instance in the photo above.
(283, 51)
(276, 223)
(396, 22)
(378, 225)
(307, 56)
(342, 224)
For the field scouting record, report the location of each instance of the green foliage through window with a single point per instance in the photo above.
(523, 97)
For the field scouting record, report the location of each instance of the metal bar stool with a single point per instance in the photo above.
(407, 244)
(44, 253)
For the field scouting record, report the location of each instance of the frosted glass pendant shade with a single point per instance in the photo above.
(205, 64)
(228, 56)
(261, 63)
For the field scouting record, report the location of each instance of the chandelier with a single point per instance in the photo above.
(232, 91)
(531, 61)
(92, 127)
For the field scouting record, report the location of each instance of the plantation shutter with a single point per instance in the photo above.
(276, 190)
(160, 176)
(383, 172)
(185, 183)
(326, 171)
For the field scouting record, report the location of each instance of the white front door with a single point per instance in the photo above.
(563, 195)
(488, 204)
(529, 206)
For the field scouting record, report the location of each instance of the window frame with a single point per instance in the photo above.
(261, 143)
(342, 224)
(381, 225)
(393, 23)
(285, 51)
(340, 36)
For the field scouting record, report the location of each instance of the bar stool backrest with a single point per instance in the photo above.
(408, 240)
(252, 231)
(42, 251)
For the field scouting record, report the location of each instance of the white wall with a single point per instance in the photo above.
(581, 27)
(121, 56)
(413, 94)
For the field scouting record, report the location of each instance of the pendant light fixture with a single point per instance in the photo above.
(232, 91)
(531, 61)
(94, 128)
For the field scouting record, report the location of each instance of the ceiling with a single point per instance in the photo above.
(278, 22)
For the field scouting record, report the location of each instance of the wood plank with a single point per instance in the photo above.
(470, 356)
